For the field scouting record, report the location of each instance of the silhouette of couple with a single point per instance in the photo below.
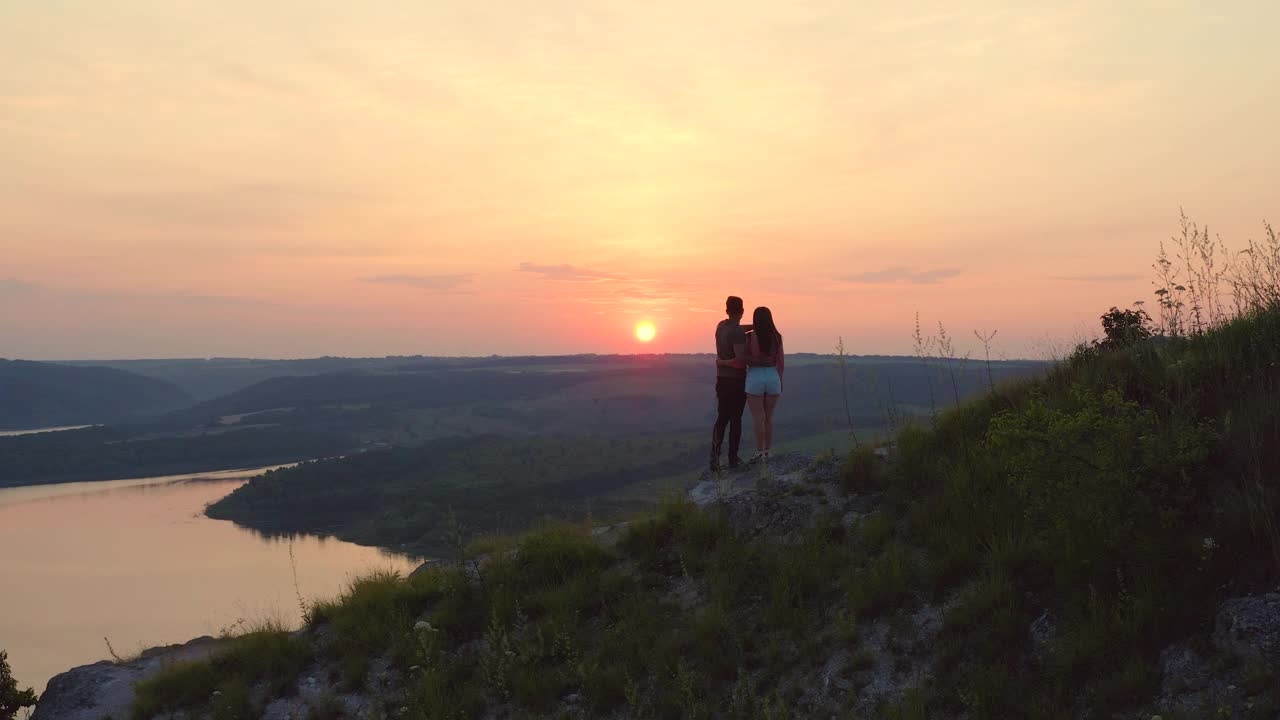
(749, 367)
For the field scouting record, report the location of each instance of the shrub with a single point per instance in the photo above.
(861, 471)
(1124, 328)
(11, 698)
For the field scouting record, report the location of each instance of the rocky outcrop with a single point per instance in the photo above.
(105, 689)
(1221, 674)
(1250, 628)
(780, 498)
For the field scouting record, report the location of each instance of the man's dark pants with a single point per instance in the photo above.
(731, 399)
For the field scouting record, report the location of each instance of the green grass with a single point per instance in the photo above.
(272, 658)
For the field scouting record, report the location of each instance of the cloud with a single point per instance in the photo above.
(1100, 278)
(247, 77)
(566, 272)
(10, 287)
(259, 206)
(34, 102)
(899, 275)
(424, 282)
(914, 23)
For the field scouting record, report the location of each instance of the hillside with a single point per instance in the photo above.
(37, 394)
(1098, 542)
(405, 498)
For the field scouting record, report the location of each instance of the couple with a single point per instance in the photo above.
(749, 369)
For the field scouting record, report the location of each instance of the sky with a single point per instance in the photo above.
(320, 177)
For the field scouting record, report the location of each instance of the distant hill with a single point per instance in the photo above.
(37, 394)
(586, 394)
(409, 390)
(208, 378)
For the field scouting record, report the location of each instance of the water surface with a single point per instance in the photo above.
(137, 562)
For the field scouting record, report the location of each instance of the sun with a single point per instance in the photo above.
(645, 331)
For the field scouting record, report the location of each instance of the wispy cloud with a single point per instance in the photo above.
(11, 287)
(913, 23)
(16, 286)
(424, 282)
(257, 206)
(244, 76)
(34, 101)
(901, 275)
(566, 272)
(1099, 278)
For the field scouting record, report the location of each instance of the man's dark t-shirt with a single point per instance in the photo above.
(729, 333)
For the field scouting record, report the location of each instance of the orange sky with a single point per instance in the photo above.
(226, 177)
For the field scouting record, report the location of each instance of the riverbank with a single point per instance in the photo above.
(38, 431)
(44, 491)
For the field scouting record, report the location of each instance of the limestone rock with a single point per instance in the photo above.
(1250, 627)
(105, 689)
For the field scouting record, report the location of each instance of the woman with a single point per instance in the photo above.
(764, 378)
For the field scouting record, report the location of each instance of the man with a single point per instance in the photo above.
(731, 382)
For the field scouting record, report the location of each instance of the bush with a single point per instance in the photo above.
(861, 471)
(11, 698)
(1123, 328)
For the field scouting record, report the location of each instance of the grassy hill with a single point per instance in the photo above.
(1029, 554)
(37, 394)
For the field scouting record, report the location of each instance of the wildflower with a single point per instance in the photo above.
(1209, 544)
(423, 626)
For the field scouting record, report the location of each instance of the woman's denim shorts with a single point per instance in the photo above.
(763, 381)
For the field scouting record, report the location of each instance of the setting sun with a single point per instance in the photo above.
(645, 331)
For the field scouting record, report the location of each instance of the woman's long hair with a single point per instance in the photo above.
(767, 335)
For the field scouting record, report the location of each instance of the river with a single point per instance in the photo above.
(136, 563)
